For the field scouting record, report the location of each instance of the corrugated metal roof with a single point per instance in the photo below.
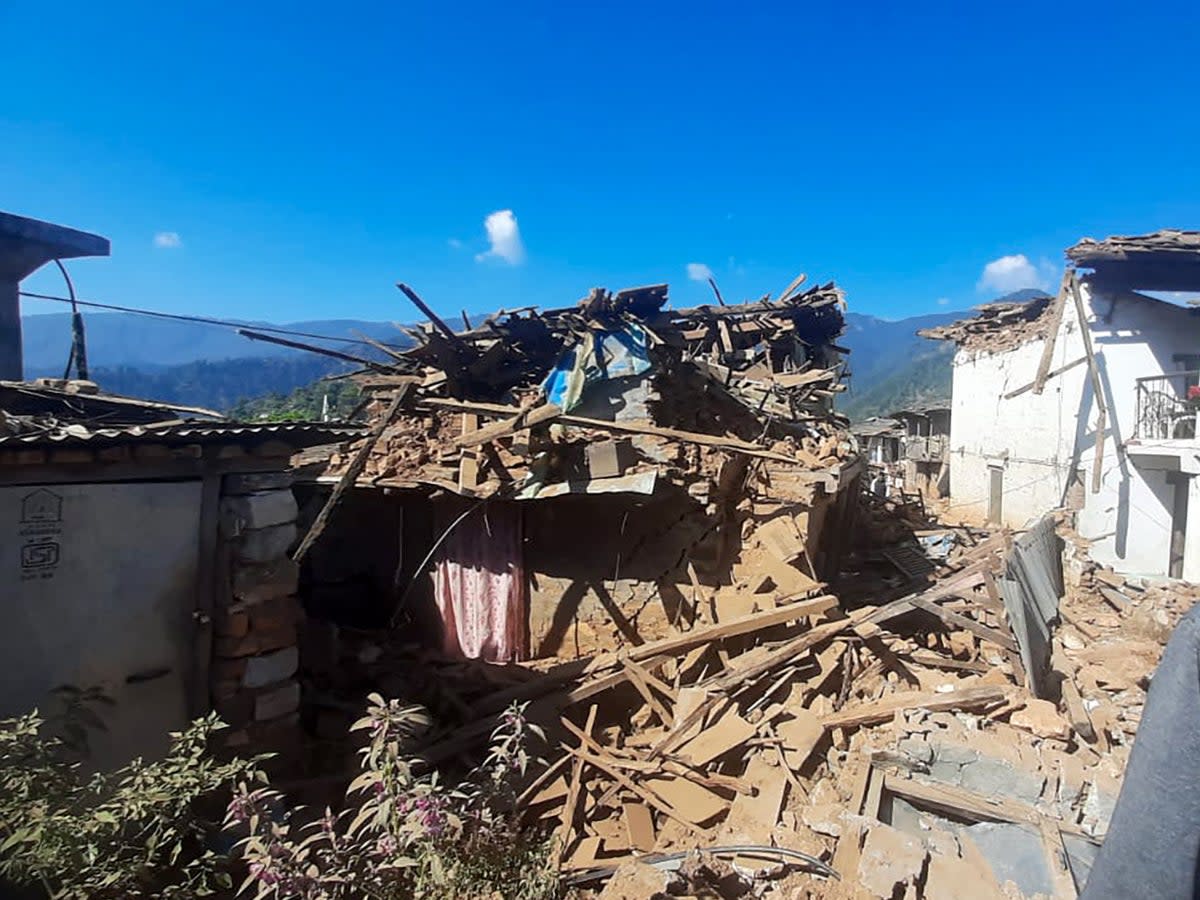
(301, 434)
(876, 427)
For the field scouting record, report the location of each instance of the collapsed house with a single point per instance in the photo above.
(572, 477)
(1088, 400)
(648, 506)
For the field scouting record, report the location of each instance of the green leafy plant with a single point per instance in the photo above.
(403, 834)
(140, 831)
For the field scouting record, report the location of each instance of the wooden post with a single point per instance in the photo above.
(1097, 385)
(350, 476)
(1056, 311)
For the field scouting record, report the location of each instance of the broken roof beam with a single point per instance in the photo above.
(428, 313)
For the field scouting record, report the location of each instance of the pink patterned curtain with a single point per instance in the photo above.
(479, 586)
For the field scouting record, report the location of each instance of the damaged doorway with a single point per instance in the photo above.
(995, 511)
(1182, 483)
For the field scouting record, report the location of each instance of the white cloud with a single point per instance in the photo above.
(504, 236)
(168, 240)
(699, 272)
(1011, 273)
(943, 301)
(454, 244)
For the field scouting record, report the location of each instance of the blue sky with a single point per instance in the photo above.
(308, 156)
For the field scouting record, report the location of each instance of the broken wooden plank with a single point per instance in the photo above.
(732, 444)
(566, 824)
(967, 624)
(799, 379)
(1077, 713)
(468, 467)
(968, 698)
(727, 731)
(637, 678)
(962, 803)
(1115, 598)
(523, 419)
(1053, 324)
(1085, 330)
(639, 826)
(594, 754)
(357, 464)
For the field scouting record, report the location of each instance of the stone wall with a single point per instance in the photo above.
(257, 617)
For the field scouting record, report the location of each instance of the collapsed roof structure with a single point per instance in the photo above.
(680, 431)
(755, 379)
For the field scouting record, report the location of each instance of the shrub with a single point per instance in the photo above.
(135, 832)
(403, 834)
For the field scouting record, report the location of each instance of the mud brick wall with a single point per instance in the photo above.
(257, 616)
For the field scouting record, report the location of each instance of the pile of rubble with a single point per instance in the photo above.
(998, 326)
(917, 747)
(618, 386)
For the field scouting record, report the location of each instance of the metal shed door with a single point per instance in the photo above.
(99, 584)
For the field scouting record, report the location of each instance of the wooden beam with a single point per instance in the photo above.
(734, 627)
(882, 710)
(967, 624)
(212, 588)
(1054, 323)
(1060, 370)
(1097, 385)
(735, 445)
(566, 822)
(350, 476)
(596, 757)
(962, 803)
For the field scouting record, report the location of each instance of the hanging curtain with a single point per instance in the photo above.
(479, 586)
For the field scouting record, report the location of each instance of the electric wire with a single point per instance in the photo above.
(198, 320)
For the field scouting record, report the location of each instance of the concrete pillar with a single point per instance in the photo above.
(25, 246)
(11, 361)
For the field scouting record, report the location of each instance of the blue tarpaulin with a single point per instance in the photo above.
(600, 356)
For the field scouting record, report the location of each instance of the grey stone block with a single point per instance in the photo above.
(278, 702)
(271, 667)
(260, 545)
(249, 482)
(255, 583)
(260, 510)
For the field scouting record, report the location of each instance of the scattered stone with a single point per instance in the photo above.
(890, 861)
(1041, 717)
(271, 667)
(637, 881)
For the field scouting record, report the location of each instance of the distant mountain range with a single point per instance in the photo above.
(125, 339)
(892, 368)
(204, 365)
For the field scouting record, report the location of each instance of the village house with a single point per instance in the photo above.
(1088, 400)
(144, 546)
(145, 555)
(907, 451)
(926, 465)
(879, 441)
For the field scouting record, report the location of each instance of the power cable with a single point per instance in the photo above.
(199, 320)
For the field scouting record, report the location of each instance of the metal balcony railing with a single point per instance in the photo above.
(1165, 411)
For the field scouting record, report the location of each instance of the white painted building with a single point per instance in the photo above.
(1017, 452)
